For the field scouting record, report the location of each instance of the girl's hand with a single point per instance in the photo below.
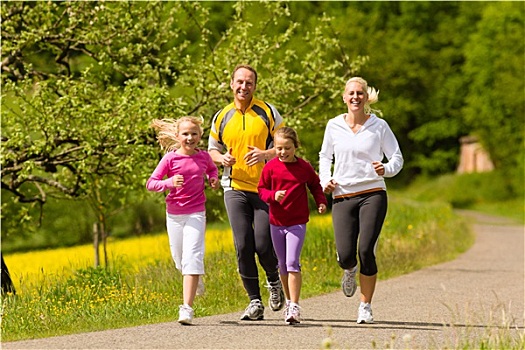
(330, 187)
(322, 208)
(379, 168)
(279, 195)
(214, 183)
(178, 180)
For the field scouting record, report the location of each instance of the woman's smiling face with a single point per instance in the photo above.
(354, 96)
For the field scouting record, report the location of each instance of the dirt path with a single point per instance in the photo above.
(436, 307)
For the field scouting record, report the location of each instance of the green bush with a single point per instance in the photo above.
(491, 192)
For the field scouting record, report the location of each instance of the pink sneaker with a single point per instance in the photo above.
(293, 316)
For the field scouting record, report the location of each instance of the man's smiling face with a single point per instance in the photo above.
(243, 86)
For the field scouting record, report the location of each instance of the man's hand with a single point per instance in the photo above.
(228, 159)
(254, 156)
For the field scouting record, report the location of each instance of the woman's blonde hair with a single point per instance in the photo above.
(167, 130)
(372, 94)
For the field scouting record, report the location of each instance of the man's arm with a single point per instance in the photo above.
(225, 159)
(256, 155)
(216, 156)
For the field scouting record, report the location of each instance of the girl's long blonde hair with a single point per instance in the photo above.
(168, 129)
(372, 93)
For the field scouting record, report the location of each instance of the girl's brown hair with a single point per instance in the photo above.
(288, 133)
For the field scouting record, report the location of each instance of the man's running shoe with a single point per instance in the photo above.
(276, 299)
(254, 311)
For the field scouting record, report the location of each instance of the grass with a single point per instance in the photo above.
(59, 293)
(141, 285)
(490, 193)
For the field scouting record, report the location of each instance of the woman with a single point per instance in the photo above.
(358, 141)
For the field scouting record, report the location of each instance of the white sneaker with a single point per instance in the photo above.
(293, 315)
(348, 282)
(200, 286)
(254, 311)
(285, 310)
(365, 313)
(185, 314)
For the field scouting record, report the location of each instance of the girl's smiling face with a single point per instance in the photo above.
(285, 149)
(189, 136)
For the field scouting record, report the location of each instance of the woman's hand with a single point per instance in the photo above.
(330, 187)
(322, 208)
(379, 168)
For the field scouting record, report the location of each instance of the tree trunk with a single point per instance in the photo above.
(104, 235)
(96, 243)
(7, 283)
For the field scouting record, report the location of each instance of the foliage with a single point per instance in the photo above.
(83, 80)
(402, 39)
(495, 108)
(490, 192)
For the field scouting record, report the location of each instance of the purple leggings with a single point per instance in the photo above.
(288, 242)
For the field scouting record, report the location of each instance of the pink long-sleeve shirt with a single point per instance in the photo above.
(190, 197)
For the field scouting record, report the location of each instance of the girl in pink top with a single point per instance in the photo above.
(185, 168)
(283, 186)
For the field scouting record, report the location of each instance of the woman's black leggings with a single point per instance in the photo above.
(357, 223)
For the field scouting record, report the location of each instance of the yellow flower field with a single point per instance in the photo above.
(31, 267)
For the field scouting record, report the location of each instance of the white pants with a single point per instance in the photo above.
(186, 237)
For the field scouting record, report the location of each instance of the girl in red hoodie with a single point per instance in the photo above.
(283, 186)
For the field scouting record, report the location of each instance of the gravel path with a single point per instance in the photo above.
(437, 307)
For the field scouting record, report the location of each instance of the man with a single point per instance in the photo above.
(241, 140)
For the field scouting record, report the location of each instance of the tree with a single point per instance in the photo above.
(495, 105)
(81, 81)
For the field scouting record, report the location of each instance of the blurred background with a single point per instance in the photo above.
(81, 82)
